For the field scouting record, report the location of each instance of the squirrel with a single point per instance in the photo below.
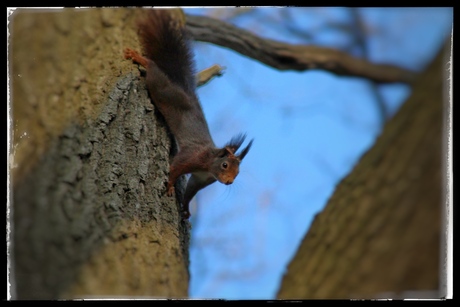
(171, 83)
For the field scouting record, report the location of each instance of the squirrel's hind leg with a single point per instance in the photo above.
(136, 57)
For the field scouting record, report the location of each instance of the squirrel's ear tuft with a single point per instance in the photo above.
(236, 142)
(245, 151)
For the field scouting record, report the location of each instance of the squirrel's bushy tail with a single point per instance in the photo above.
(165, 41)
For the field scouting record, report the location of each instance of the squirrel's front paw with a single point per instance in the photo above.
(185, 215)
(170, 191)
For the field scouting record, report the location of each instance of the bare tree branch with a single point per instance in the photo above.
(284, 56)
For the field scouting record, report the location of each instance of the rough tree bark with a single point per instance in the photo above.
(91, 157)
(380, 234)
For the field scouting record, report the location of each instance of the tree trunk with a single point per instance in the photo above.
(380, 234)
(90, 217)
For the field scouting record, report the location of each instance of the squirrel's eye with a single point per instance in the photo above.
(224, 165)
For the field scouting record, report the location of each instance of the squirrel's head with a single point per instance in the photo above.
(226, 166)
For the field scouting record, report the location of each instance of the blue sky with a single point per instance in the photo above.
(310, 128)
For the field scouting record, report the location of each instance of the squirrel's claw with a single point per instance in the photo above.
(129, 53)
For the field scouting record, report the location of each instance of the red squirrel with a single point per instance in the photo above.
(171, 84)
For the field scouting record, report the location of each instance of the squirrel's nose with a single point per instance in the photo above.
(229, 181)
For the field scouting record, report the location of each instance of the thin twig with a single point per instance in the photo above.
(207, 74)
(361, 41)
